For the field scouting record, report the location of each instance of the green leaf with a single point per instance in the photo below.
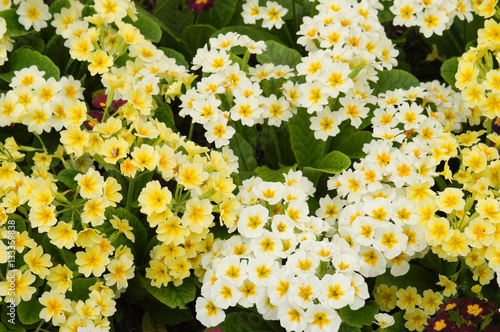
(67, 176)
(145, 13)
(344, 327)
(175, 15)
(29, 312)
(180, 60)
(24, 57)
(385, 15)
(148, 324)
(59, 53)
(140, 234)
(448, 71)
(164, 113)
(245, 321)
(334, 162)
(163, 314)
(254, 33)
(417, 277)
(279, 54)
(244, 151)
(394, 79)
(7, 77)
(58, 5)
(172, 296)
(149, 29)
(271, 175)
(353, 146)
(361, 317)
(220, 15)
(14, 28)
(80, 288)
(196, 36)
(307, 149)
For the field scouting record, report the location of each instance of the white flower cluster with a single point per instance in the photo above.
(6, 44)
(278, 263)
(271, 14)
(385, 193)
(431, 17)
(347, 46)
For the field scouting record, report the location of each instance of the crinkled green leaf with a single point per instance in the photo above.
(149, 29)
(172, 296)
(80, 288)
(417, 277)
(24, 57)
(245, 321)
(219, 15)
(179, 58)
(196, 36)
(58, 5)
(271, 175)
(385, 15)
(307, 149)
(334, 162)
(279, 54)
(394, 79)
(361, 317)
(14, 28)
(29, 312)
(244, 151)
(353, 146)
(67, 176)
(344, 327)
(175, 15)
(140, 234)
(164, 113)
(448, 71)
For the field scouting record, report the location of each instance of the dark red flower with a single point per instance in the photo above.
(199, 6)
(94, 115)
(100, 102)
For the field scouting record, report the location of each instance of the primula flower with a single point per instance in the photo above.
(33, 13)
(199, 6)
(154, 198)
(22, 287)
(92, 261)
(55, 304)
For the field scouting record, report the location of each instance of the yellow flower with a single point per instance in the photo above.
(192, 175)
(123, 227)
(431, 301)
(145, 157)
(43, 217)
(408, 298)
(21, 289)
(171, 231)
(154, 198)
(60, 279)
(114, 149)
(386, 297)
(158, 273)
(458, 244)
(111, 193)
(198, 215)
(100, 62)
(92, 261)
(93, 211)
(450, 288)
(119, 271)
(74, 140)
(437, 231)
(54, 306)
(62, 235)
(450, 199)
(415, 319)
(37, 261)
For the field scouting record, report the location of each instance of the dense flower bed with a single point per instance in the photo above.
(249, 165)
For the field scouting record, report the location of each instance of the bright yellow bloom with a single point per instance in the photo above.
(154, 198)
(92, 261)
(22, 288)
(60, 279)
(54, 306)
(38, 262)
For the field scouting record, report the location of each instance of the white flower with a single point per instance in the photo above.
(33, 13)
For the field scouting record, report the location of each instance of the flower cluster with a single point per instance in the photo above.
(271, 14)
(431, 17)
(466, 314)
(280, 263)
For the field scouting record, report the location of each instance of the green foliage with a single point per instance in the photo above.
(14, 28)
(29, 311)
(279, 54)
(196, 36)
(58, 5)
(149, 28)
(267, 174)
(244, 151)
(353, 145)
(417, 277)
(179, 58)
(394, 79)
(172, 296)
(361, 317)
(67, 176)
(24, 57)
(80, 288)
(449, 69)
(220, 15)
(334, 162)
